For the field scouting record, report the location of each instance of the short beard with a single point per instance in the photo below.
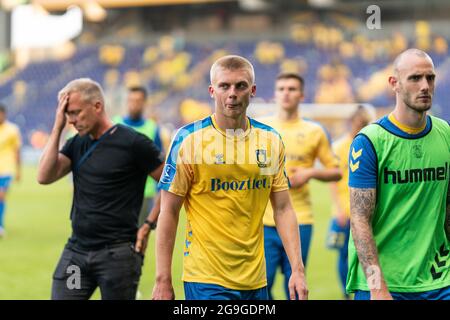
(408, 102)
(416, 108)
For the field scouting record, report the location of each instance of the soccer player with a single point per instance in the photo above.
(10, 142)
(339, 232)
(223, 169)
(305, 142)
(399, 177)
(110, 164)
(136, 102)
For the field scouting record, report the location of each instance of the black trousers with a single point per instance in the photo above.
(115, 269)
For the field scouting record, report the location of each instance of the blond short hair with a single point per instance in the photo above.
(232, 62)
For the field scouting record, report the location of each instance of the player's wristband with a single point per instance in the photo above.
(152, 225)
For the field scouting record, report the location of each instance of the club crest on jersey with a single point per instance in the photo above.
(261, 158)
(417, 151)
(219, 159)
(300, 137)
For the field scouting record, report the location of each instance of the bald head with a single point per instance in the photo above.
(413, 81)
(405, 59)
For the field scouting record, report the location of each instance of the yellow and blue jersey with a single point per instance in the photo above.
(10, 143)
(226, 180)
(305, 142)
(341, 148)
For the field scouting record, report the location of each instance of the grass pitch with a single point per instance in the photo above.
(38, 226)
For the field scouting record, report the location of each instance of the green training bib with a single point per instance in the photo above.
(408, 222)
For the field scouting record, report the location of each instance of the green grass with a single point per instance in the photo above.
(38, 226)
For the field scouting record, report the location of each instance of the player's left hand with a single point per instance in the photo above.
(142, 238)
(297, 286)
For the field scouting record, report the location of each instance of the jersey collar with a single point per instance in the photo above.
(405, 128)
(215, 126)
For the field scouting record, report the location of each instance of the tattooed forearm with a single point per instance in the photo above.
(362, 202)
(362, 206)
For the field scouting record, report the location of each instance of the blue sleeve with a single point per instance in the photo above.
(158, 140)
(362, 162)
(170, 167)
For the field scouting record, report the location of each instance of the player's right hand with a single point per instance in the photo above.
(163, 290)
(60, 119)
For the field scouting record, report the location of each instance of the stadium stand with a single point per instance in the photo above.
(339, 62)
(169, 49)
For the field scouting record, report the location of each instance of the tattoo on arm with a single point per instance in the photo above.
(362, 206)
(362, 202)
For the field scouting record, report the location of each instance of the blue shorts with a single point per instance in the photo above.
(438, 294)
(5, 181)
(209, 291)
(337, 236)
(276, 256)
(274, 250)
